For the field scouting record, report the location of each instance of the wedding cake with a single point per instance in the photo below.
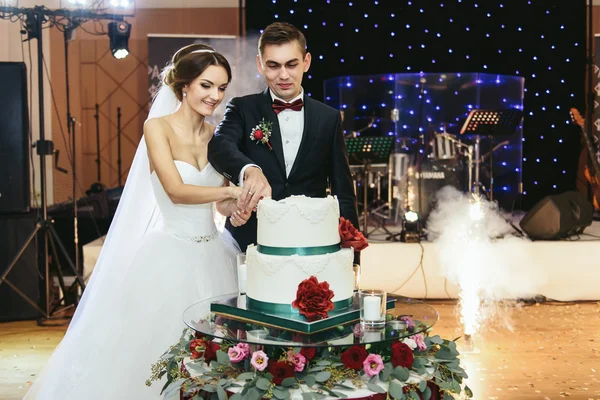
(297, 238)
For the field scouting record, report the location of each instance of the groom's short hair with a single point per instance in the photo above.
(279, 33)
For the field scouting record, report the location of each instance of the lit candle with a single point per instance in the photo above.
(372, 308)
(242, 276)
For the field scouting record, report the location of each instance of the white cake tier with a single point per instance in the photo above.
(275, 279)
(298, 221)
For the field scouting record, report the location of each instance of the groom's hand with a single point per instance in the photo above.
(256, 187)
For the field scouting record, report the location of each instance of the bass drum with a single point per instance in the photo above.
(418, 189)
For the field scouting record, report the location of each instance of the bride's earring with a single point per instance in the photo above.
(184, 94)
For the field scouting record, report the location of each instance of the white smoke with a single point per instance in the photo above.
(479, 253)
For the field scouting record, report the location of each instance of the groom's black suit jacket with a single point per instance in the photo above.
(321, 160)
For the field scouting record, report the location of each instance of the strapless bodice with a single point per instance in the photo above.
(188, 221)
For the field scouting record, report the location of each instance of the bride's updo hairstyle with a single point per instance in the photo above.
(188, 63)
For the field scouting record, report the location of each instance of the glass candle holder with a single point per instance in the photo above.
(242, 272)
(372, 307)
(356, 269)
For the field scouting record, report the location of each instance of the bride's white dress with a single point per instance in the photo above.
(184, 261)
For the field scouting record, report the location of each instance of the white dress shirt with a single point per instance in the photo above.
(291, 124)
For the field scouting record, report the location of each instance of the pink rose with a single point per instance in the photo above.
(237, 353)
(297, 360)
(409, 322)
(259, 360)
(373, 364)
(244, 347)
(420, 341)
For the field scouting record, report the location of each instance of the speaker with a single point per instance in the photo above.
(14, 139)
(558, 216)
(14, 231)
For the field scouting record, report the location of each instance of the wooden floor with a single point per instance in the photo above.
(552, 352)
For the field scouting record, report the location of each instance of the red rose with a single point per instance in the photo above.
(210, 353)
(351, 237)
(436, 394)
(308, 352)
(197, 347)
(313, 299)
(258, 134)
(281, 370)
(402, 355)
(354, 357)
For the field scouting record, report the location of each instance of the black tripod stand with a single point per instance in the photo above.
(44, 230)
(489, 123)
(373, 153)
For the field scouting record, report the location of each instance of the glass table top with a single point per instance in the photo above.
(416, 317)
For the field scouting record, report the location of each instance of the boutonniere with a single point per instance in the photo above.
(262, 132)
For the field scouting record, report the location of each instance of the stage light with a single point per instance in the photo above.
(118, 32)
(411, 230)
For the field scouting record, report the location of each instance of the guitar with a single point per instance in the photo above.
(594, 180)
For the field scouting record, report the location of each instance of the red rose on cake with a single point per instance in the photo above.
(350, 236)
(313, 299)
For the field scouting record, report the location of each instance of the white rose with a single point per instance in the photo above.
(410, 343)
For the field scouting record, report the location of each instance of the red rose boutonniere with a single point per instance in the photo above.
(313, 299)
(351, 237)
(262, 132)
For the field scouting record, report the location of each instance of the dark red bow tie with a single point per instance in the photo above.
(279, 106)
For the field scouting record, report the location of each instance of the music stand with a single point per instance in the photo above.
(366, 151)
(490, 123)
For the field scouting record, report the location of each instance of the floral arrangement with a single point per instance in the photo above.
(261, 133)
(415, 366)
(313, 299)
(351, 237)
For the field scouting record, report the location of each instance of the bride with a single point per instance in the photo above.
(163, 251)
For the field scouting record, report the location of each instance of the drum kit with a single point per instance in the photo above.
(394, 175)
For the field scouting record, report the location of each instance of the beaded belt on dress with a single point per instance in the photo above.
(196, 239)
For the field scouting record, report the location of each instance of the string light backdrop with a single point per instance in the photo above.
(541, 40)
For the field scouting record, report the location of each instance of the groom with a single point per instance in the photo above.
(280, 142)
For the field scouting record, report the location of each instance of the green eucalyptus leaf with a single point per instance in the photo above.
(340, 395)
(246, 376)
(281, 394)
(422, 386)
(310, 380)
(263, 384)
(395, 390)
(427, 393)
(221, 393)
(401, 374)
(222, 357)
(468, 392)
(308, 396)
(323, 376)
(288, 382)
(209, 388)
(436, 339)
(254, 394)
(413, 395)
(375, 388)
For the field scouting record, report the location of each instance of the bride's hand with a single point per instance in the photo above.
(239, 217)
(235, 192)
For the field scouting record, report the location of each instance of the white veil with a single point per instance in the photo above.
(136, 213)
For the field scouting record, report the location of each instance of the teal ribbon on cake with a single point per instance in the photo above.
(301, 251)
(278, 308)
